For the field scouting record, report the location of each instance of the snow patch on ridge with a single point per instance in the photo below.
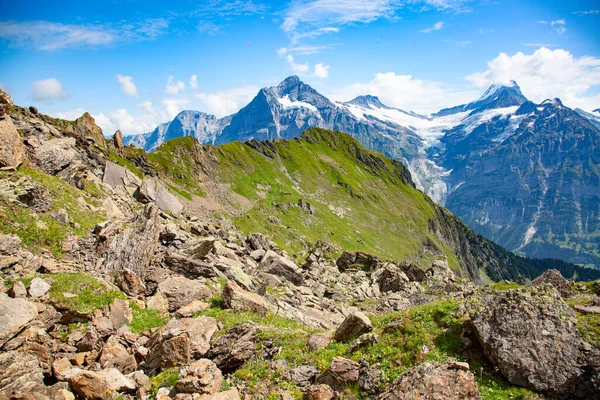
(288, 104)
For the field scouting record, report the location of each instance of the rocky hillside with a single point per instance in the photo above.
(309, 268)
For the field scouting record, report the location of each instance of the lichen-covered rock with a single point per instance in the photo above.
(20, 375)
(353, 326)
(554, 278)
(531, 335)
(344, 369)
(433, 381)
(236, 346)
(202, 377)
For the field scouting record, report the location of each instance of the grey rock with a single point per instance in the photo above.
(152, 190)
(38, 287)
(180, 291)
(20, 375)
(115, 176)
(55, 155)
(238, 299)
(129, 282)
(14, 315)
(353, 326)
(189, 267)
(232, 349)
(554, 278)
(344, 369)
(11, 144)
(304, 375)
(18, 290)
(202, 377)
(363, 341)
(433, 381)
(531, 335)
(390, 278)
(274, 264)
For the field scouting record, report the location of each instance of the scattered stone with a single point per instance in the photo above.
(238, 299)
(303, 375)
(179, 340)
(587, 309)
(129, 282)
(344, 369)
(20, 375)
(353, 326)
(321, 392)
(319, 341)
(202, 377)
(192, 308)
(18, 290)
(363, 341)
(180, 291)
(57, 154)
(235, 347)
(390, 278)
(258, 241)
(413, 272)
(274, 264)
(554, 278)
(157, 302)
(14, 315)
(369, 377)
(151, 190)
(531, 335)
(38, 287)
(120, 314)
(433, 381)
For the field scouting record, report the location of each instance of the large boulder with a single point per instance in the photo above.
(531, 335)
(180, 291)
(554, 278)
(117, 176)
(238, 299)
(11, 145)
(57, 154)
(353, 326)
(20, 375)
(434, 381)
(275, 264)
(102, 385)
(390, 278)
(14, 315)
(131, 245)
(235, 347)
(179, 341)
(202, 377)
(152, 190)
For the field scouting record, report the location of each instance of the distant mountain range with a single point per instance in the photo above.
(522, 174)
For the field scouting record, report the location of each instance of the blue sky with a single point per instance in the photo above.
(134, 64)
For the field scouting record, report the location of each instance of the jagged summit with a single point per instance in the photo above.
(367, 101)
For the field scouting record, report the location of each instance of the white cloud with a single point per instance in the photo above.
(298, 68)
(194, 82)
(174, 87)
(48, 89)
(314, 33)
(227, 102)
(546, 74)
(127, 86)
(436, 27)
(559, 26)
(308, 15)
(588, 12)
(408, 93)
(147, 105)
(71, 114)
(174, 106)
(46, 35)
(321, 70)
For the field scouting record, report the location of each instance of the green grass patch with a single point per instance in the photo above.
(166, 378)
(589, 326)
(90, 294)
(145, 319)
(505, 285)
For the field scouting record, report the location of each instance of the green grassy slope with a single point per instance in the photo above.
(359, 201)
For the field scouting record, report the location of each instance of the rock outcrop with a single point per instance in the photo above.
(531, 335)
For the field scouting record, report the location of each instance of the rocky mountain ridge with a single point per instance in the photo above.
(122, 278)
(436, 149)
